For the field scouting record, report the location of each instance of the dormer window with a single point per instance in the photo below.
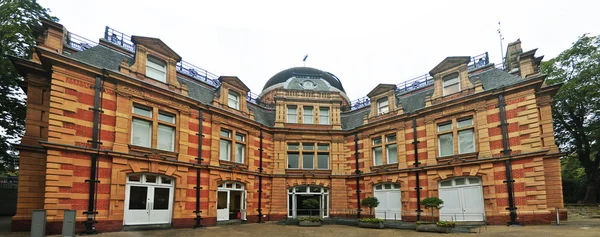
(451, 84)
(156, 69)
(233, 100)
(383, 106)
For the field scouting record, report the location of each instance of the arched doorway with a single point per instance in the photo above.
(231, 201)
(148, 199)
(299, 196)
(390, 205)
(463, 199)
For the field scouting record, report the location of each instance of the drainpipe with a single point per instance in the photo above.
(199, 158)
(260, 170)
(417, 163)
(91, 212)
(507, 163)
(357, 172)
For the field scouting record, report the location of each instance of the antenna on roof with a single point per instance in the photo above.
(501, 47)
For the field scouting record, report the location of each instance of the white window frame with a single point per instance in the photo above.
(154, 65)
(454, 130)
(234, 139)
(445, 85)
(383, 106)
(233, 100)
(375, 146)
(324, 118)
(308, 118)
(156, 119)
(316, 150)
(292, 113)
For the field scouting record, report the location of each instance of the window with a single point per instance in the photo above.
(462, 129)
(233, 100)
(227, 143)
(383, 106)
(451, 84)
(323, 115)
(156, 69)
(390, 148)
(308, 115)
(306, 155)
(143, 122)
(292, 114)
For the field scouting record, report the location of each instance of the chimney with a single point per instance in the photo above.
(511, 64)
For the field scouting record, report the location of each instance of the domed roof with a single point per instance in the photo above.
(305, 72)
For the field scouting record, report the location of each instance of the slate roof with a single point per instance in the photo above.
(197, 91)
(353, 119)
(495, 78)
(264, 116)
(102, 57)
(413, 102)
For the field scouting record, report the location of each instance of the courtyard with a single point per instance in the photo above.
(573, 228)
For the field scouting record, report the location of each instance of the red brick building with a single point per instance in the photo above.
(126, 133)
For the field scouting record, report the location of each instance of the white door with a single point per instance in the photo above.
(136, 205)
(390, 205)
(160, 205)
(149, 199)
(222, 205)
(472, 203)
(463, 200)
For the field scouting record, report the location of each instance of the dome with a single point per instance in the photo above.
(307, 73)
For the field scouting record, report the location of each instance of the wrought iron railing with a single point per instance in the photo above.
(419, 82)
(10, 182)
(79, 43)
(119, 38)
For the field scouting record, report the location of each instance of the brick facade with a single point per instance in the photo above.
(56, 155)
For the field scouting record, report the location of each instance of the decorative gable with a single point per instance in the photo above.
(160, 55)
(383, 100)
(233, 94)
(451, 77)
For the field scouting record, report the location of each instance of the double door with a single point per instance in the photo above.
(231, 204)
(147, 204)
(462, 204)
(389, 206)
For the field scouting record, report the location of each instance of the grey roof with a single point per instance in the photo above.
(264, 116)
(495, 78)
(197, 91)
(415, 101)
(309, 72)
(354, 119)
(102, 57)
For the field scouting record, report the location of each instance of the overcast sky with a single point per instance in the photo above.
(363, 43)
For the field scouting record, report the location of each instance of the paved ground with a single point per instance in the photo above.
(572, 228)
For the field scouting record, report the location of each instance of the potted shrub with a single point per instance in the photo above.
(432, 203)
(370, 202)
(375, 223)
(310, 221)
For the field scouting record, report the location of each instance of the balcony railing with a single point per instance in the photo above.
(79, 43)
(419, 82)
(124, 41)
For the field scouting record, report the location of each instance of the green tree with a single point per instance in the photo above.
(576, 106)
(370, 202)
(18, 21)
(432, 203)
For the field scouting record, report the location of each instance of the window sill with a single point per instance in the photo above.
(233, 165)
(384, 168)
(458, 158)
(152, 152)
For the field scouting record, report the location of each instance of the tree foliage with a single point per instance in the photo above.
(370, 202)
(18, 21)
(576, 106)
(432, 203)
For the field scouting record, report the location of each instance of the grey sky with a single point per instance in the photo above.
(363, 43)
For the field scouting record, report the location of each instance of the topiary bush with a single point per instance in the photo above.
(432, 203)
(370, 202)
